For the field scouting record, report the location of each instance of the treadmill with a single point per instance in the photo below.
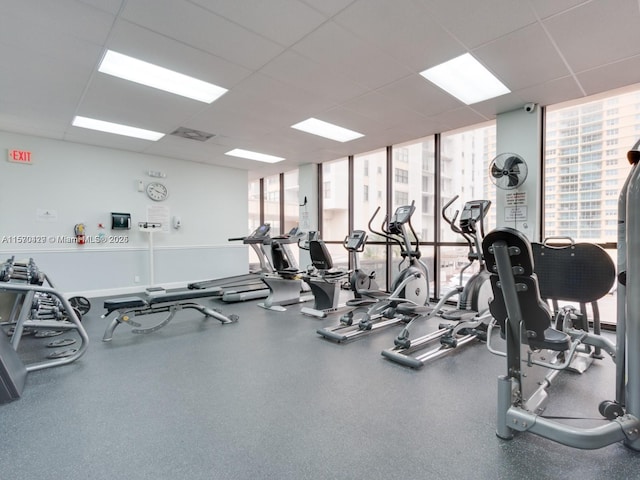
(249, 286)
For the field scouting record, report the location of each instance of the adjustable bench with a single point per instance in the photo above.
(130, 307)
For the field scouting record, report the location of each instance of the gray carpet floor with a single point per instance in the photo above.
(267, 398)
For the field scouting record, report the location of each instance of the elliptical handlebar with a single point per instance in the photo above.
(393, 230)
(384, 232)
(452, 221)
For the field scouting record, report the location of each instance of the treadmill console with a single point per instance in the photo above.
(261, 231)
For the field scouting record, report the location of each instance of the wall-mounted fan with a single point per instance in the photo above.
(508, 171)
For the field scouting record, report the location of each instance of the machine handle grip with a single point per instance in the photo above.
(547, 240)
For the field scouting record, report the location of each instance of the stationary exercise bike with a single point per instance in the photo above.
(471, 317)
(411, 284)
(360, 280)
(326, 281)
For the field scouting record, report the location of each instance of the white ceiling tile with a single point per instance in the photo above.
(595, 33)
(353, 62)
(555, 91)
(283, 21)
(612, 75)
(419, 95)
(403, 29)
(547, 8)
(63, 18)
(294, 69)
(191, 24)
(138, 42)
(359, 60)
(505, 59)
(328, 7)
(476, 22)
(115, 100)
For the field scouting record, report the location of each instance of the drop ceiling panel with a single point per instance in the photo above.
(195, 26)
(271, 96)
(138, 42)
(328, 7)
(385, 110)
(476, 22)
(597, 33)
(351, 62)
(62, 18)
(283, 21)
(555, 91)
(614, 75)
(334, 47)
(416, 93)
(403, 29)
(100, 139)
(41, 90)
(109, 6)
(294, 69)
(460, 117)
(504, 57)
(115, 100)
(547, 8)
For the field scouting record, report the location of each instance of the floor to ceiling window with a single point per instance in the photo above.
(334, 193)
(465, 158)
(369, 194)
(291, 201)
(413, 180)
(585, 167)
(271, 201)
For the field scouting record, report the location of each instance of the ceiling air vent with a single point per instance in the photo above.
(192, 134)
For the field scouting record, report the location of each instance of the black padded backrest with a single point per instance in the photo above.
(581, 272)
(515, 239)
(535, 313)
(320, 256)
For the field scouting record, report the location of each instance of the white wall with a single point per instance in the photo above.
(521, 132)
(82, 184)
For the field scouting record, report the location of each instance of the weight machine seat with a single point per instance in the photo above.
(536, 314)
(323, 263)
(320, 256)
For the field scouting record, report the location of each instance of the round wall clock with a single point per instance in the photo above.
(157, 191)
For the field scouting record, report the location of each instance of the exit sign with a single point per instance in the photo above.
(20, 156)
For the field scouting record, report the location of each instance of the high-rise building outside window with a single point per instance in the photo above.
(589, 172)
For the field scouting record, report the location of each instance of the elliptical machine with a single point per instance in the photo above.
(471, 317)
(411, 284)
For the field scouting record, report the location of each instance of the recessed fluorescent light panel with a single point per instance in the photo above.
(151, 75)
(260, 157)
(93, 124)
(466, 79)
(327, 130)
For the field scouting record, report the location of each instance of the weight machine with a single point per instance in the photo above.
(526, 324)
